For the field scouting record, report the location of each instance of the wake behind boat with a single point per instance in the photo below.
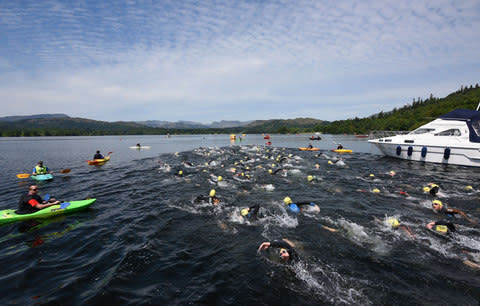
(452, 138)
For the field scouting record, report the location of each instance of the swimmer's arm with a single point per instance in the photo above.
(408, 230)
(329, 229)
(461, 213)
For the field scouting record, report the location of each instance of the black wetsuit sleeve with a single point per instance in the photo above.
(280, 244)
(303, 204)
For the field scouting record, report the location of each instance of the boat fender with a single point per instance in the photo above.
(410, 151)
(399, 150)
(446, 153)
(424, 151)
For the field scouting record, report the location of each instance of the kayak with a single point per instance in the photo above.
(42, 177)
(9, 215)
(137, 147)
(98, 162)
(308, 149)
(342, 150)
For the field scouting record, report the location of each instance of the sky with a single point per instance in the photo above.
(244, 60)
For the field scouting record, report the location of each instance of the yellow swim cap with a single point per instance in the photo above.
(393, 222)
(287, 200)
(372, 175)
(426, 189)
(270, 171)
(310, 178)
(441, 228)
(273, 165)
(212, 193)
(180, 172)
(244, 212)
(330, 162)
(220, 178)
(468, 187)
(392, 173)
(437, 202)
(376, 190)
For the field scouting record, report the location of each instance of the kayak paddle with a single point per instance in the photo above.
(27, 175)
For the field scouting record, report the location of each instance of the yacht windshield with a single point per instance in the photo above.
(422, 131)
(476, 126)
(450, 132)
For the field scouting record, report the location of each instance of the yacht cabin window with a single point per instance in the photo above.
(422, 131)
(450, 132)
(476, 126)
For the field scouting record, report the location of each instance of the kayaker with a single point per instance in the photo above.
(310, 146)
(250, 212)
(31, 202)
(440, 208)
(339, 147)
(139, 146)
(40, 169)
(287, 252)
(98, 155)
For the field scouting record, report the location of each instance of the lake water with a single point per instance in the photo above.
(147, 240)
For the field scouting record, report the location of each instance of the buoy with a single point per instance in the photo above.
(399, 150)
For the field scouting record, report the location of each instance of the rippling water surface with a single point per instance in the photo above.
(147, 240)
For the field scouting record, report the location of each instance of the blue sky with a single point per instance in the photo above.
(208, 60)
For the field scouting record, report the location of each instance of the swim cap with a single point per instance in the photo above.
(287, 200)
(220, 178)
(273, 165)
(310, 178)
(469, 187)
(180, 172)
(270, 171)
(437, 202)
(244, 212)
(441, 228)
(426, 189)
(212, 193)
(372, 175)
(392, 173)
(393, 222)
(330, 162)
(376, 190)
(432, 185)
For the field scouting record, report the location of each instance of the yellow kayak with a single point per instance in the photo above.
(308, 149)
(98, 162)
(342, 150)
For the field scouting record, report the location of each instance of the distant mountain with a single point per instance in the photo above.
(173, 125)
(39, 116)
(227, 124)
(193, 125)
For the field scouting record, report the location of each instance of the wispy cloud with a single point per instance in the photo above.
(209, 60)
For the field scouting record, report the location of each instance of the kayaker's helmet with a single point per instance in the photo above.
(287, 201)
(212, 193)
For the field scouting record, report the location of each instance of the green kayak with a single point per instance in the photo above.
(9, 215)
(42, 177)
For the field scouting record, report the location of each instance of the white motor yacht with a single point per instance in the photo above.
(452, 138)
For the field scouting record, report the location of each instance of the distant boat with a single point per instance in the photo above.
(453, 138)
(361, 136)
(315, 138)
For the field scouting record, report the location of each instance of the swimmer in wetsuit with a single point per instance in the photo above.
(442, 227)
(440, 208)
(250, 212)
(287, 252)
(212, 199)
(298, 207)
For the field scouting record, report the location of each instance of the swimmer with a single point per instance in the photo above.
(440, 208)
(442, 227)
(250, 212)
(395, 224)
(434, 188)
(297, 207)
(212, 198)
(287, 252)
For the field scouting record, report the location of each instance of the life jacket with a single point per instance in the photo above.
(40, 170)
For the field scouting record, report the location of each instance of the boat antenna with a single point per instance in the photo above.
(478, 106)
